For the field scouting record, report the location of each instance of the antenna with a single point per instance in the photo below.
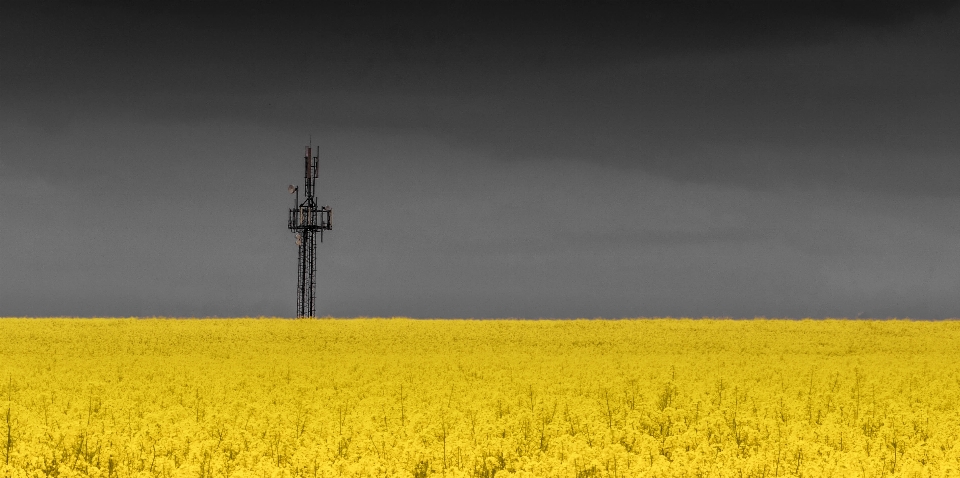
(306, 220)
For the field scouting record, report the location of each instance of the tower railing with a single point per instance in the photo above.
(308, 217)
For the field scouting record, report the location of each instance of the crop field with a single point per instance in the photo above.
(470, 398)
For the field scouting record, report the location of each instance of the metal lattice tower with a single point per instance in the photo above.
(306, 220)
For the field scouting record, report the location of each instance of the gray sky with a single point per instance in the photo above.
(483, 159)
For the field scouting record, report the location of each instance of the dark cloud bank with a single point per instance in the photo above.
(484, 159)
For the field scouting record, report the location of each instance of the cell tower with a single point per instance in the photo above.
(306, 220)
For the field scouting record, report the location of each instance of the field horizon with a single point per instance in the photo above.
(731, 318)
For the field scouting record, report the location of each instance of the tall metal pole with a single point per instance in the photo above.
(306, 220)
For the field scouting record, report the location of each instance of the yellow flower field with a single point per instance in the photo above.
(416, 398)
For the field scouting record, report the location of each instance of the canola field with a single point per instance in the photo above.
(492, 398)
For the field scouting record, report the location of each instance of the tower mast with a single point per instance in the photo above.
(306, 220)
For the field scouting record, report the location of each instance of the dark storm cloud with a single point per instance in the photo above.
(75, 40)
(397, 47)
(756, 94)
